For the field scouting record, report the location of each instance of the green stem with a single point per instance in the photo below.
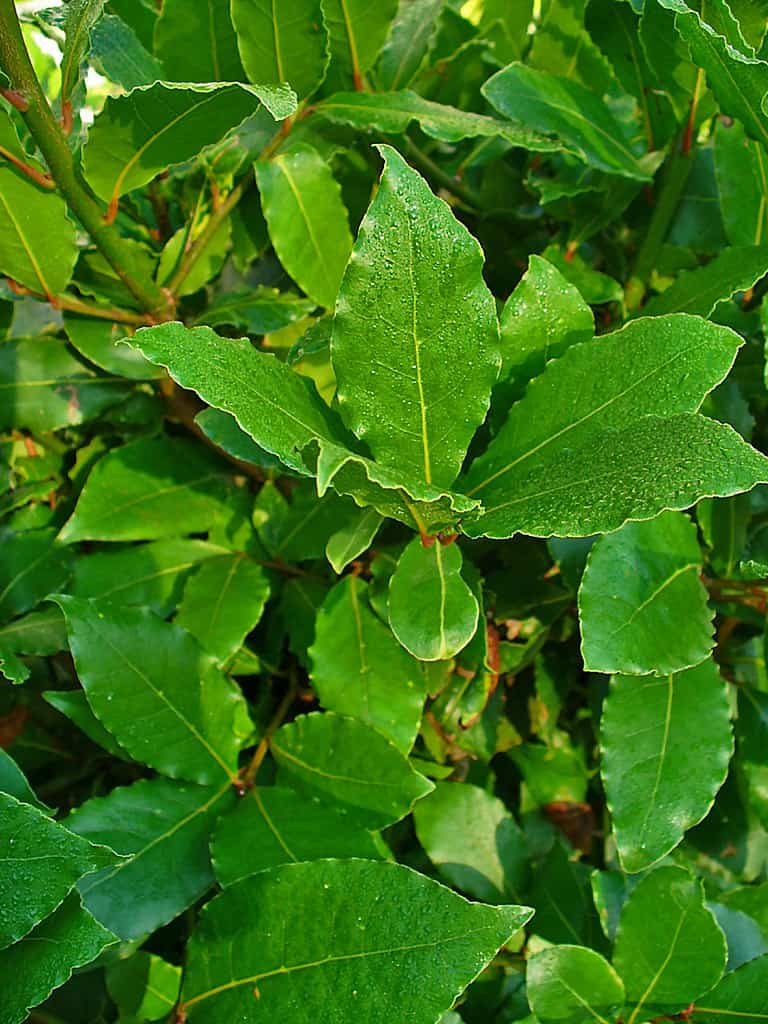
(50, 139)
(674, 177)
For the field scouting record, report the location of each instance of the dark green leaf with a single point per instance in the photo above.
(80, 18)
(198, 718)
(162, 830)
(279, 826)
(742, 995)
(196, 42)
(359, 669)
(344, 760)
(260, 311)
(356, 30)
(34, 565)
(120, 55)
(370, 957)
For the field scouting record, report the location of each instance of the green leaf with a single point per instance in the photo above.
(562, 107)
(37, 239)
(412, 928)
(472, 840)
(408, 44)
(143, 133)
(642, 605)
(649, 728)
(723, 523)
(136, 668)
(36, 633)
(206, 267)
(33, 566)
(345, 761)
(562, 896)
(634, 473)
(98, 340)
(260, 311)
(743, 995)
(359, 669)
(307, 220)
(223, 430)
(80, 18)
(46, 958)
(299, 530)
(393, 493)
(162, 830)
(281, 41)
(392, 114)
(432, 611)
(739, 82)
(357, 31)
(669, 949)
(741, 170)
(42, 861)
(152, 488)
(572, 984)
(222, 603)
(658, 366)
(143, 987)
(152, 574)
(279, 826)
(540, 321)
(44, 387)
(120, 55)
(13, 782)
(699, 291)
(74, 705)
(414, 289)
(196, 42)
(280, 410)
(352, 539)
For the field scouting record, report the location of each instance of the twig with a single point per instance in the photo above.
(39, 177)
(248, 775)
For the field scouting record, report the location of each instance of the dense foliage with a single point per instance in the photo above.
(383, 517)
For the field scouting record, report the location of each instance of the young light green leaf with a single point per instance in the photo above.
(642, 606)
(33, 566)
(33, 968)
(206, 267)
(151, 575)
(352, 539)
(307, 220)
(148, 130)
(197, 716)
(80, 18)
(393, 113)
(741, 995)
(473, 841)
(280, 410)
(345, 761)
(196, 42)
(649, 728)
(152, 488)
(359, 669)
(633, 473)
(259, 311)
(669, 949)
(432, 611)
(44, 387)
(414, 928)
(41, 863)
(540, 321)
(698, 291)
(739, 81)
(562, 107)
(356, 32)
(223, 601)
(414, 291)
(281, 41)
(571, 985)
(162, 829)
(277, 826)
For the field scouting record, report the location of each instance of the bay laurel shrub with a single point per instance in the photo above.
(384, 548)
